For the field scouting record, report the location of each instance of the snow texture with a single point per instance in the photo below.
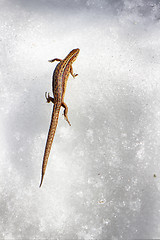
(103, 176)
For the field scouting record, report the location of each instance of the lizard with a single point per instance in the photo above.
(59, 82)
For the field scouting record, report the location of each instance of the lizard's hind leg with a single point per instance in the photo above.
(65, 112)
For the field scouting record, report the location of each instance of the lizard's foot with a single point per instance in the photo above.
(48, 98)
(66, 118)
(75, 74)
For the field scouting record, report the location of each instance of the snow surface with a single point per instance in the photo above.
(103, 176)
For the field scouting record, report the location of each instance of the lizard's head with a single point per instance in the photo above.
(73, 54)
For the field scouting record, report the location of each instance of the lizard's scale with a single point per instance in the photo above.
(60, 77)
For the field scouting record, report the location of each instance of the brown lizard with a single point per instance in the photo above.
(60, 77)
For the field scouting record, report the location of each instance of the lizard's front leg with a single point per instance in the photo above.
(48, 98)
(71, 72)
(65, 112)
(55, 59)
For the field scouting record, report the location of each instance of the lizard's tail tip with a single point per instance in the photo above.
(41, 182)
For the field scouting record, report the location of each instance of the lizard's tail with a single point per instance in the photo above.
(51, 133)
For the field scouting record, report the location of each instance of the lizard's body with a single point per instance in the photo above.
(60, 77)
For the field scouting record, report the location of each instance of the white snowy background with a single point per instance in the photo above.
(103, 176)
